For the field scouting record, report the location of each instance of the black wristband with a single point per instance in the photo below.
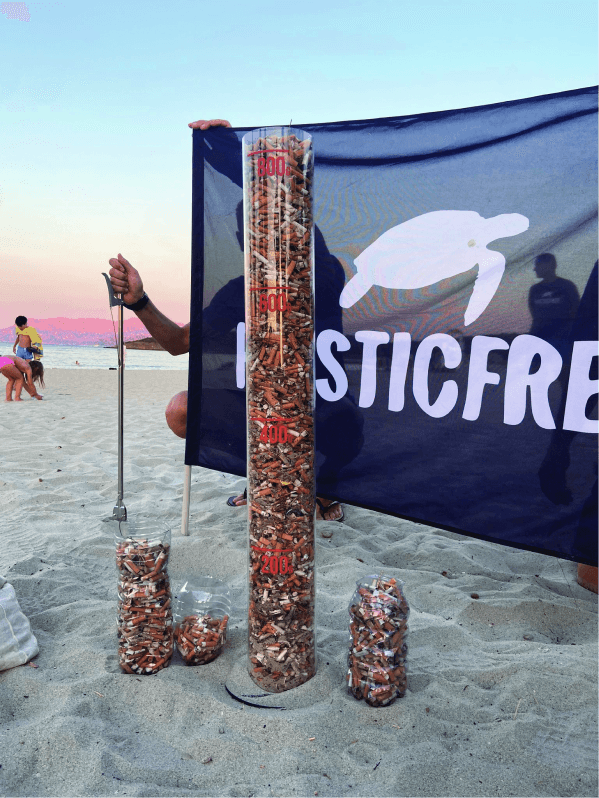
(140, 304)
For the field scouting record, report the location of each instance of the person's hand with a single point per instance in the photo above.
(204, 124)
(125, 280)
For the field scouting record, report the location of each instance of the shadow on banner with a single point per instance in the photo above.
(456, 367)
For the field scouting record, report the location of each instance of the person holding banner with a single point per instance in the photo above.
(125, 280)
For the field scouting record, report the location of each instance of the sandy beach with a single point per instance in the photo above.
(502, 659)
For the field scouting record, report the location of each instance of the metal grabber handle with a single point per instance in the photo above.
(119, 512)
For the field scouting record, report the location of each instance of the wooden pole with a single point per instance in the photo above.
(186, 497)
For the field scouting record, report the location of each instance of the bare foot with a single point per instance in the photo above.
(329, 510)
(18, 400)
(240, 500)
(37, 396)
(9, 400)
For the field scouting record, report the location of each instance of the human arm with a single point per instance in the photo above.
(14, 349)
(25, 369)
(125, 280)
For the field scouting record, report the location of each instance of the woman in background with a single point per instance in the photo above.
(19, 374)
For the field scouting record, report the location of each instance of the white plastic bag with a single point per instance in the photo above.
(17, 642)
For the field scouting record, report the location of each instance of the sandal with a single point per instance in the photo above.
(231, 499)
(325, 509)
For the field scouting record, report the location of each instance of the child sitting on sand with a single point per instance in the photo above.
(19, 374)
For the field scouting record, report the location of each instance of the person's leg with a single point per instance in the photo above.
(13, 375)
(176, 418)
(176, 414)
(19, 382)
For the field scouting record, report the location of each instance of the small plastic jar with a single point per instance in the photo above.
(144, 619)
(378, 640)
(201, 612)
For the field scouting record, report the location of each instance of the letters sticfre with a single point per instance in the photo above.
(520, 383)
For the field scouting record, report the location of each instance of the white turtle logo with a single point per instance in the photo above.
(433, 247)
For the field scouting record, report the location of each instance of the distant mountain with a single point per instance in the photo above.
(80, 332)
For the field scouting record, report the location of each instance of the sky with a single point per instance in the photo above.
(95, 152)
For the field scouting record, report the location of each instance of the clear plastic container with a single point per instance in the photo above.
(279, 301)
(144, 618)
(378, 640)
(201, 610)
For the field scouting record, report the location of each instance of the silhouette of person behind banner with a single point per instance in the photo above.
(338, 425)
(554, 468)
(553, 304)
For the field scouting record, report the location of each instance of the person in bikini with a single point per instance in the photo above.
(125, 280)
(21, 374)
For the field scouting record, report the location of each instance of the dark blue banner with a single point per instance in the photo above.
(456, 317)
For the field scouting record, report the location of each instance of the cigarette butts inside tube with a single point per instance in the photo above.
(279, 302)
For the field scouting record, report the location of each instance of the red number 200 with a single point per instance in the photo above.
(275, 565)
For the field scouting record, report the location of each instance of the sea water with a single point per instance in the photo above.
(99, 357)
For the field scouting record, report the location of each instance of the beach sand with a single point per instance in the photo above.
(502, 689)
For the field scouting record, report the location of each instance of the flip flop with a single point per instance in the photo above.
(325, 509)
(231, 499)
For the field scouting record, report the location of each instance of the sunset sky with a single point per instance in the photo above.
(95, 153)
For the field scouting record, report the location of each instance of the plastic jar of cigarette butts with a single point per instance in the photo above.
(378, 640)
(201, 610)
(144, 620)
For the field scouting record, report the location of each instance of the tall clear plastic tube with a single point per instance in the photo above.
(279, 300)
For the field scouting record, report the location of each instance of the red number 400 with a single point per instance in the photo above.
(272, 434)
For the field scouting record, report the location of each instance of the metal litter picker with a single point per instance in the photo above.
(119, 512)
